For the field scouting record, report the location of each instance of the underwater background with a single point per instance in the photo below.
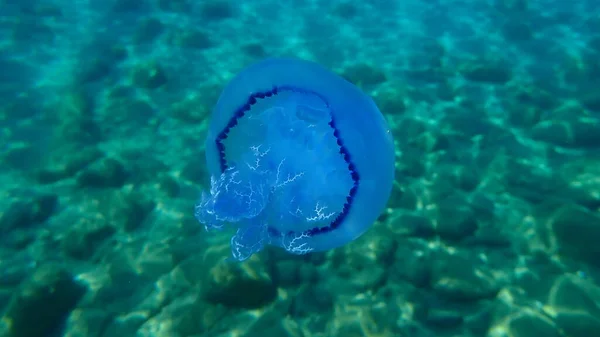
(492, 228)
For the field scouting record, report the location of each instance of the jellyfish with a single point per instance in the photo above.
(299, 158)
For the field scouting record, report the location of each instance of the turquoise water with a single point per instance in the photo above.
(491, 230)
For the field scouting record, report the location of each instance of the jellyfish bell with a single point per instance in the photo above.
(299, 158)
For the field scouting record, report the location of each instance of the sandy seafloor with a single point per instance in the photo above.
(493, 227)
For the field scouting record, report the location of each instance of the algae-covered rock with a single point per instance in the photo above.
(493, 72)
(194, 108)
(577, 323)
(456, 219)
(275, 322)
(295, 272)
(413, 263)
(148, 30)
(216, 10)
(130, 210)
(526, 323)
(313, 299)
(85, 236)
(573, 293)
(410, 224)
(581, 175)
(576, 230)
(576, 133)
(149, 76)
(461, 278)
(240, 285)
(43, 303)
(443, 318)
(175, 5)
(87, 322)
(26, 213)
(574, 303)
(108, 172)
(67, 162)
(364, 75)
(75, 119)
(192, 39)
(591, 100)
(98, 61)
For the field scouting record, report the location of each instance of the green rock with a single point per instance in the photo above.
(42, 10)
(32, 30)
(149, 76)
(20, 240)
(430, 74)
(576, 230)
(75, 119)
(196, 171)
(443, 319)
(88, 322)
(254, 49)
(21, 156)
(148, 30)
(591, 100)
(364, 75)
(85, 236)
(512, 7)
(126, 324)
(455, 219)
(577, 323)
(106, 173)
(346, 10)
(274, 323)
(43, 303)
(365, 279)
(469, 122)
(189, 319)
(20, 107)
(573, 293)
(584, 186)
(403, 196)
(130, 211)
(408, 224)
(291, 273)
(194, 108)
(488, 72)
(26, 213)
(168, 185)
(534, 95)
(5, 296)
(531, 324)
(568, 125)
(517, 30)
(66, 162)
(390, 100)
(586, 132)
(446, 91)
(412, 163)
(128, 6)
(525, 111)
(414, 263)
(175, 5)
(240, 285)
(100, 62)
(524, 179)
(216, 10)
(193, 39)
(462, 278)
(313, 299)
(594, 43)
